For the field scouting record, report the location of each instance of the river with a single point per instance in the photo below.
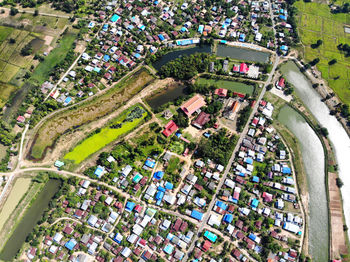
(337, 134)
(313, 160)
(29, 220)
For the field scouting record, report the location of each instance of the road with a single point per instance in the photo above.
(228, 167)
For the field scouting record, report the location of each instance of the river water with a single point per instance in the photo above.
(29, 220)
(337, 134)
(313, 160)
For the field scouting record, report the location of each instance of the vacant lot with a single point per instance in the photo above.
(230, 85)
(107, 135)
(86, 112)
(57, 55)
(316, 22)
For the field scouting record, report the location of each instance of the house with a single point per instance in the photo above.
(202, 119)
(21, 119)
(243, 68)
(193, 104)
(280, 84)
(170, 128)
(221, 92)
(196, 215)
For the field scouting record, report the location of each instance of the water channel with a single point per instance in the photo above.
(29, 220)
(313, 160)
(242, 54)
(337, 134)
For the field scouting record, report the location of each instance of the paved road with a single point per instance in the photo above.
(228, 167)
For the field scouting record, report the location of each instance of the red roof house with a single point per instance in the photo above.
(193, 105)
(201, 120)
(206, 245)
(221, 92)
(21, 119)
(243, 68)
(170, 128)
(281, 84)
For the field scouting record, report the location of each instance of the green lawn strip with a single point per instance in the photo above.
(5, 32)
(230, 85)
(57, 55)
(107, 135)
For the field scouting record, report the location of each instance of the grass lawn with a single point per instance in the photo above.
(317, 22)
(57, 55)
(230, 85)
(107, 135)
(177, 147)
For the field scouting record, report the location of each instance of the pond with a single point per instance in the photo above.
(165, 96)
(29, 220)
(178, 53)
(242, 54)
(337, 135)
(313, 160)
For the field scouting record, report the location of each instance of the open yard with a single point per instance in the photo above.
(230, 85)
(316, 22)
(87, 112)
(108, 134)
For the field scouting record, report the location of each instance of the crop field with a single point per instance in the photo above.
(87, 112)
(229, 85)
(115, 129)
(317, 22)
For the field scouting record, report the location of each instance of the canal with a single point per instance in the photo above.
(313, 160)
(178, 53)
(242, 54)
(337, 135)
(29, 220)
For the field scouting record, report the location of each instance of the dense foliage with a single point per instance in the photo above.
(218, 147)
(243, 118)
(185, 67)
(6, 136)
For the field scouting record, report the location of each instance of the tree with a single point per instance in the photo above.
(36, 12)
(332, 62)
(12, 40)
(13, 11)
(27, 50)
(339, 182)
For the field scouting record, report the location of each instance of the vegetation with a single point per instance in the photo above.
(120, 126)
(185, 67)
(229, 85)
(218, 147)
(243, 118)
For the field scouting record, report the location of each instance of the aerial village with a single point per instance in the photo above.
(173, 192)
(122, 36)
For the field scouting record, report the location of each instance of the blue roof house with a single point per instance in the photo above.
(254, 203)
(200, 29)
(161, 37)
(168, 185)
(249, 160)
(197, 215)
(129, 206)
(158, 175)
(241, 38)
(71, 244)
(284, 48)
(255, 179)
(221, 204)
(228, 218)
(118, 238)
(211, 236)
(168, 249)
(286, 170)
(106, 58)
(150, 163)
(252, 236)
(99, 171)
(115, 18)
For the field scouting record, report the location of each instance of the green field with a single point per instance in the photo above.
(316, 22)
(229, 85)
(57, 55)
(107, 135)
